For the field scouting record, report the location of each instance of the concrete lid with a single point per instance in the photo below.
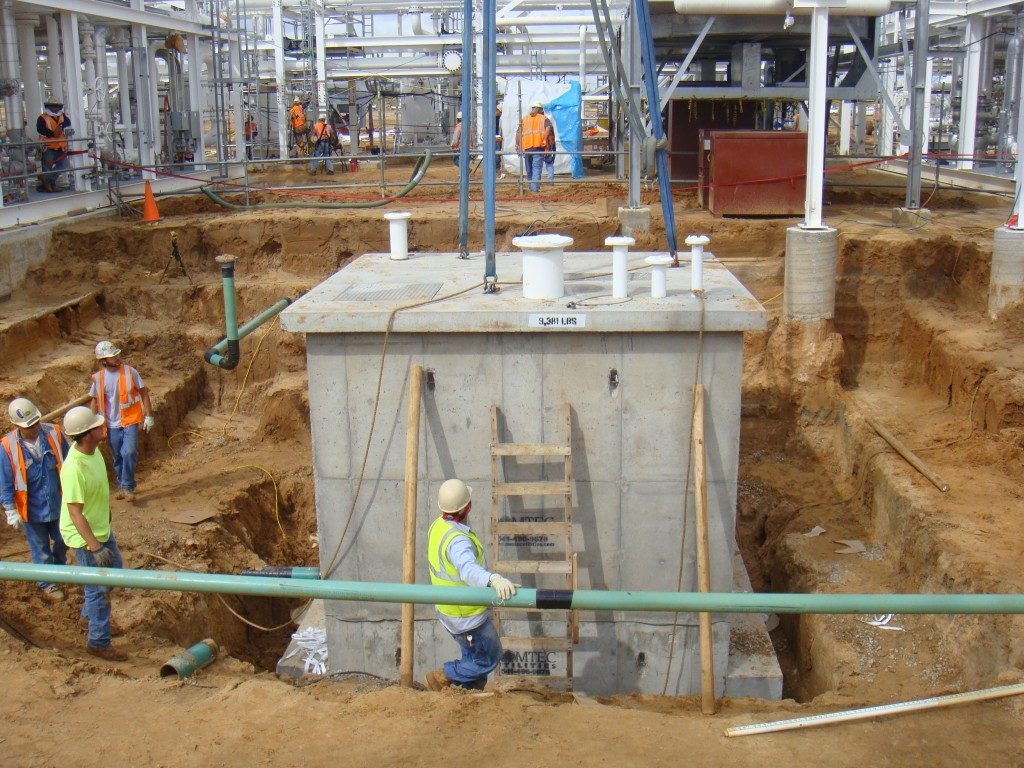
(614, 240)
(397, 215)
(542, 242)
(362, 297)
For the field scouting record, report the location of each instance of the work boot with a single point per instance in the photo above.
(119, 493)
(129, 496)
(53, 594)
(110, 653)
(437, 680)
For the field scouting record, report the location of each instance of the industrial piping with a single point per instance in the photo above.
(557, 599)
(225, 353)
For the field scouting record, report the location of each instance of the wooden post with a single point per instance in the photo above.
(65, 408)
(700, 497)
(412, 454)
(909, 455)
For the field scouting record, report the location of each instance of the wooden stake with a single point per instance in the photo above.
(909, 455)
(700, 497)
(65, 408)
(412, 455)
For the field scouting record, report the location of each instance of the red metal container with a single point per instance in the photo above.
(752, 173)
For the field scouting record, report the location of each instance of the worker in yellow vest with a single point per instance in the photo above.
(455, 557)
(534, 139)
(30, 486)
(119, 395)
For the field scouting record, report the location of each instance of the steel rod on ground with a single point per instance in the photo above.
(426, 594)
(700, 497)
(412, 453)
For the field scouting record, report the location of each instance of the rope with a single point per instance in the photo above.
(686, 491)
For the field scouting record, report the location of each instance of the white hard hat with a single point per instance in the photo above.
(23, 412)
(296, 100)
(536, 105)
(453, 496)
(458, 115)
(80, 420)
(106, 349)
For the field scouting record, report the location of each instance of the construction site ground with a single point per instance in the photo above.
(911, 347)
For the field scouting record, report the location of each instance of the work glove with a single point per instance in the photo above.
(69, 132)
(103, 557)
(13, 518)
(148, 423)
(502, 586)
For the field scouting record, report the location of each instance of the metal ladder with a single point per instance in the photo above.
(529, 656)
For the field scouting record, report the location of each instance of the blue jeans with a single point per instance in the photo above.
(481, 651)
(124, 446)
(322, 150)
(534, 160)
(96, 607)
(39, 536)
(549, 166)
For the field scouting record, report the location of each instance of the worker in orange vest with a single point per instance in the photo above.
(252, 130)
(119, 395)
(30, 486)
(534, 139)
(325, 141)
(297, 116)
(54, 129)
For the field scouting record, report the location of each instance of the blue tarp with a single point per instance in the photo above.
(564, 112)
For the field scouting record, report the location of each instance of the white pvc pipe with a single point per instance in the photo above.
(659, 275)
(620, 261)
(816, 119)
(26, 27)
(753, 7)
(55, 74)
(543, 265)
(697, 243)
(399, 224)
(277, 35)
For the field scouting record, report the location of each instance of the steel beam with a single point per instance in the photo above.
(97, 9)
(969, 89)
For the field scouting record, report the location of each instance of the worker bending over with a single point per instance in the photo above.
(30, 486)
(297, 118)
(119, 395)
(455, 557)
(85, 522)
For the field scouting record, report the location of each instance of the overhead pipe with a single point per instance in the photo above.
(753, 7)
(525, 597)
(918, 117)
(225, 353)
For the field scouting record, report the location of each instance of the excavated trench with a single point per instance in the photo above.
(806, 457)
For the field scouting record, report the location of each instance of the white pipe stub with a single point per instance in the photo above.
(399, 223)
(659, 271)
(697, 243)
(620, 264)
(543, 265)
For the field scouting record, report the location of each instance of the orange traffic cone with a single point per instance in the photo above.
(149, 209)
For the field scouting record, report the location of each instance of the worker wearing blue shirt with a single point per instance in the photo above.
(31, 455)
(455, 557)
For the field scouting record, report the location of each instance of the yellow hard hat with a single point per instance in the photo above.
(453, 496)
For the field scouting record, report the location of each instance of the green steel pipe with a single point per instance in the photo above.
(591, 600)
(185, 663)
(216, 354)
(283, 572)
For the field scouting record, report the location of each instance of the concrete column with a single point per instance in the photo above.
(143, 69)
(55, 72)
(120, 41)
(321, 57)
(845, 127)
(860, 127)
(810, 280)
(87, 46)
(26, 23)
(926, 123)
(12, 70)
(277, 40)
(103, 89)
(195, 96)
(74, 96)
(969, 89)
(235, 63)
(1006, 284)
(884, 127)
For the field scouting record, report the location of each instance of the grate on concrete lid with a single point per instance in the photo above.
(389, 292)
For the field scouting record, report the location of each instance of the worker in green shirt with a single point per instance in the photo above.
(85, 521)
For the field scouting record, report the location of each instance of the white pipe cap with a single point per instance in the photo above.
(692, 240)
(541, 242)
(398, 215)
(614, 240)
(658, 260)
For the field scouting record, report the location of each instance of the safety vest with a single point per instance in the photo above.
(322, 130)
(12, 447)
(533, 133)
(298, 116)
(443, 572)
(251, 128)
(56, 127)
(127, 395)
